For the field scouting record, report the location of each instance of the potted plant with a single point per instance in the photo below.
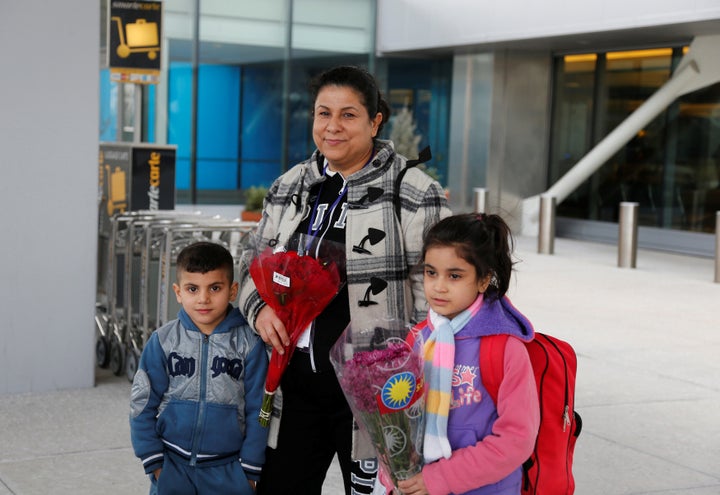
(254, 197)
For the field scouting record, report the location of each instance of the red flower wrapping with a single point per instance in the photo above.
(298, 288)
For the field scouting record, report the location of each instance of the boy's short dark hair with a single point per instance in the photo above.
(203, 257)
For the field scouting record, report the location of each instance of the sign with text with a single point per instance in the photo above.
(134, 34)
(134, 177)
(153, 178)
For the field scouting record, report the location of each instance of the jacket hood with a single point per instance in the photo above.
(233, 319)
(498, 316)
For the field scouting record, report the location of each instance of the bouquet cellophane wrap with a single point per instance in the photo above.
(380, 370)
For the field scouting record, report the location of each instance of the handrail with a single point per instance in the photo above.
(699, 67)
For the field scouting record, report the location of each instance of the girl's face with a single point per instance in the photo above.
(342, 129)
(205, 297)
(451, 284)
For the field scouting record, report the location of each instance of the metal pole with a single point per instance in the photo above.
(546, 234)
(120, 113)
(480, 200)
(138, 113)
(627, 235)
(286, 84)
(717, 247)
(195, 60)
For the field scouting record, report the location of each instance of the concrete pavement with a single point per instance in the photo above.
(648, 385)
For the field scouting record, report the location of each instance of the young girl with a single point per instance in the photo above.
(471, 445)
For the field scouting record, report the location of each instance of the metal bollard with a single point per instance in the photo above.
(627, 235)
(480, 200)
(717, 247)
(546, 233)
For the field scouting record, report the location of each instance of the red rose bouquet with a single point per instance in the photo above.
(380, 370)
(297, 280)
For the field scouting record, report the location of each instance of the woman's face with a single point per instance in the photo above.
(342, 129)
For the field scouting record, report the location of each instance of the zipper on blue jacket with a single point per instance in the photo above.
(197, 433)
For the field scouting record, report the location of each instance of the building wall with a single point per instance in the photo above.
(522, 38)
(48, 194)
(264, 24)
(420, 24)
(499, 129)
(518, 161)
(470, 126)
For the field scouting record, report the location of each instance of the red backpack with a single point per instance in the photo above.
(548, 471)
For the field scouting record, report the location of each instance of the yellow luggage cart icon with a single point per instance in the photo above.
(140, 36)
(117, 195)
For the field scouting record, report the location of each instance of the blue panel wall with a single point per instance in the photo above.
(261, 124)
(179, 123)
(217, 124)
(218, 127)
(239, 121)
(108, 107)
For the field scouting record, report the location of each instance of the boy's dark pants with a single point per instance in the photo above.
(178, 478)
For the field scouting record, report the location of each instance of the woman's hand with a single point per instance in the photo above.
(156, 473)
(271, 329)
(413, 486)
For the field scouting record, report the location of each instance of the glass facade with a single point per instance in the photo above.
(671, 167)
(235, 96)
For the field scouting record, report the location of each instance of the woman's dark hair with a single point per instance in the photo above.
(361, 81)
(484, 241)
(203, 257)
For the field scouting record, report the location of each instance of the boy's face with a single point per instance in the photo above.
(205, 297)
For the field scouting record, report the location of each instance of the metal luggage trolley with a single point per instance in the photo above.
(109, 312)
(163, 239)
(140, 259)
(115, 309)
(235, 235)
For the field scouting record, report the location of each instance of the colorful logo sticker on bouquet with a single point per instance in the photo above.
(399, 392)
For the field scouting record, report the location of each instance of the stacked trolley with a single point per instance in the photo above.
(137, 273)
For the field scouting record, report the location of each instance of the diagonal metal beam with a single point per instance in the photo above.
(699, 67)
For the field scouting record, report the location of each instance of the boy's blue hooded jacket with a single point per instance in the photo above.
(199, 396)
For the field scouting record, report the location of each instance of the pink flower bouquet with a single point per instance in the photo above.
(380, 370)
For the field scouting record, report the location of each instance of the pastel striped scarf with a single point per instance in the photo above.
(439, 353)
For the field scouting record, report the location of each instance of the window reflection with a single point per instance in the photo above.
(670, 167)
(253, 65)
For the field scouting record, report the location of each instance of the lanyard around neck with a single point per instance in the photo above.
(312, 233)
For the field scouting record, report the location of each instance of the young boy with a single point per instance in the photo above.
(197, 393)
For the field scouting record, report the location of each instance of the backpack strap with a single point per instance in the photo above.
(492, 363)
(424, 156)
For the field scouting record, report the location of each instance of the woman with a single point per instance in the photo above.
(346, 193)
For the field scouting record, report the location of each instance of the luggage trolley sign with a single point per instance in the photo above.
(134, 33)
(134, 177)
(153, 178)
